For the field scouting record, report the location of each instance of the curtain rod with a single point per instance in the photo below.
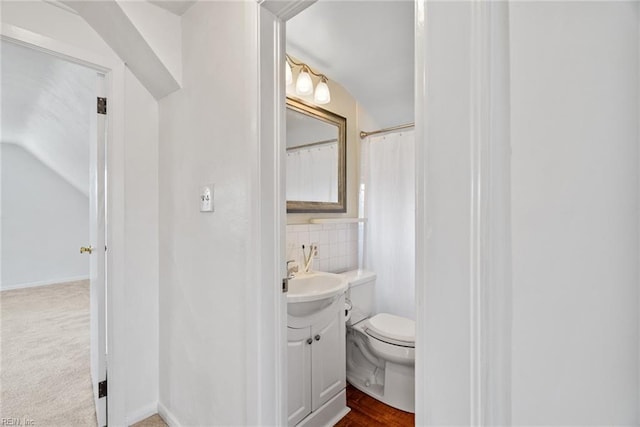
(313, 144)
(364, 134)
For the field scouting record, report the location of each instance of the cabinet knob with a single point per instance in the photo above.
(309, 341)
(317, 337)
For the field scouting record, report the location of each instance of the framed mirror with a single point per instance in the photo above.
(316, 159)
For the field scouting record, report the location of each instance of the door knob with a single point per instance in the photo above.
(317, 337)
(309, 341)
(85, 249)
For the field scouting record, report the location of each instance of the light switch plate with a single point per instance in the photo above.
(206, 198)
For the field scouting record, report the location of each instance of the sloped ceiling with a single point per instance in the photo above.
(178, 7)
(367, 47)
(46, 109)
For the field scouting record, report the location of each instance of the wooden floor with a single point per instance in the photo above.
(369, 412)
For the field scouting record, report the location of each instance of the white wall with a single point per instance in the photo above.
(206, 131)
(141, 234)
(140, 173)
(575, 212)
(54, 22)
(45, 220)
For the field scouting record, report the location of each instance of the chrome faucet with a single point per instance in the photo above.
(291, 271)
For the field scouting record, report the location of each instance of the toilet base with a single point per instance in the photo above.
(388, 382)
(403, 398)
(399, 387)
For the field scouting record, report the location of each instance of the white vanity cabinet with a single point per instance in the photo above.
(317, 367)
(299, 344)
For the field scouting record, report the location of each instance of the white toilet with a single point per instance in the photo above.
(380, 348)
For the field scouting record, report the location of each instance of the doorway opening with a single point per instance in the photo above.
(364, 53)
(52, 287)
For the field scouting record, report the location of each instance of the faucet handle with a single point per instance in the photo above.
(291, 270)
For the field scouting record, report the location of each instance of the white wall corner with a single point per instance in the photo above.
(142, 413)
(168, 416)
(285, 9)
(134, 41)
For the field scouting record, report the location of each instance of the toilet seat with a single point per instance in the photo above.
(392, 329)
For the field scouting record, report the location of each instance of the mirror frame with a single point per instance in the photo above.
(301, 206)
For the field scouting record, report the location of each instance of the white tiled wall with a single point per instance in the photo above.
(337, 245)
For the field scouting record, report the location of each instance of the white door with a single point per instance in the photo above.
(298, 374)
(328, 360)
(97, 257)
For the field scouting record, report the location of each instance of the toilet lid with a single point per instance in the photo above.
(393, 329)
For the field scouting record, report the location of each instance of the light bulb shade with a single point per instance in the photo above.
(322, 94)
(304, 85)
(288, 73)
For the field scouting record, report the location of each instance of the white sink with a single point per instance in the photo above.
(313, 291)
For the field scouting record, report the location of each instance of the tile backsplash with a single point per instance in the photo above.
(337, 245)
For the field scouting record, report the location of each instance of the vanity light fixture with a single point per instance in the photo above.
(322, 94)
(304, 84)
(289, 74)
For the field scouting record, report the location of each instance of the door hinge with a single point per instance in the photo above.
(285, 286)
(102, 105)
(102, 389)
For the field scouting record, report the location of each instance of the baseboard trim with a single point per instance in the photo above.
(167, 416)
(142, 413)
(42, 283)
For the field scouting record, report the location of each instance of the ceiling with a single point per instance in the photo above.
(178, 7)
(367, 47)
(47, 107)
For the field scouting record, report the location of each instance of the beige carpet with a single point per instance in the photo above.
(44, 356)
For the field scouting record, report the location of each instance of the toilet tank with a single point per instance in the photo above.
(361, 294)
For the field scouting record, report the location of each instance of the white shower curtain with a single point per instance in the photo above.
(388, 178)
(312, 173)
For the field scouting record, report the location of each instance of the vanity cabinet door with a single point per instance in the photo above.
(299, 374)
(328, 364)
